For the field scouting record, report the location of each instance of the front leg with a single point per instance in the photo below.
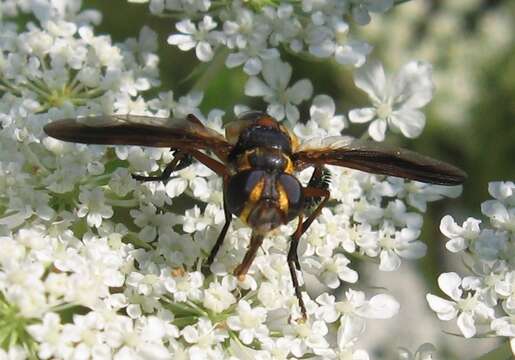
(255, 242)
(221, 236)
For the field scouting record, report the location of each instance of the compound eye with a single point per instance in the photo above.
(294, 193)
(240, 187)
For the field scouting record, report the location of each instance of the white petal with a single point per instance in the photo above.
(381, 306)
(277, 74)
(448, 227)
(445, 309)
(390, 261)
(371, 79)
(350, 329)
(377, 129)
(277, 111)
(413, 84)
(353, 53)
(300, 91)
(253, 66)
(466, 324)
(256, 87)
(246, 336)
(184, 42)
(175, 187)
(414, 250)
(186, 26)
(410, 122)
(450, 283)
(292, 113)
(495, 210)
(235, 59)
(501, 190)
(204, 51)
(456, 245)
(324, 104)
(362, 115)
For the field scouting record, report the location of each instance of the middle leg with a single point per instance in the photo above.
(180, 161)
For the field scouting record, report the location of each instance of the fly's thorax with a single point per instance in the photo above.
(264, 200)
(271, 160)
(263, 132)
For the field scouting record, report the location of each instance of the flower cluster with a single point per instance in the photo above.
(254, 31)
(450, 43)
(482, 303)
(97, 265)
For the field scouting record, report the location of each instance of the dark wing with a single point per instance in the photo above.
(185, 134)
(378, 159)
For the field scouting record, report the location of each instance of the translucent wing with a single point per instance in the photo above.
(378, 159)
(186, 134)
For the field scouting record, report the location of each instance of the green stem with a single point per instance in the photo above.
(399, 2)
(122, 203)
(212, 70)
(365, 136)
(197, 308)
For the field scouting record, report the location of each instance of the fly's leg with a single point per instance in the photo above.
(180, 161)
(255, 242)
(320, 179)
(221, 236)
(293, 257)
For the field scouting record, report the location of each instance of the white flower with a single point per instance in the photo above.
(246, 28)
(274, 90)
(469, 310)
(279, 348)
(201, 39)
(322, 112)
(180, 108)
(356, 306)
(283, 23)
(396, 101)
(502, 210)
(193, 177)
(92, 205)
(309, 336)
(203, 335)
(218, 297)
(187, 286)
(401, 244)
(504, 326)
(333, 269)
(248, 322)
(333, 40)
(460, 237)
(252, 56)
(141, 338)
(194, 220)
(47, 334)
(86, 332)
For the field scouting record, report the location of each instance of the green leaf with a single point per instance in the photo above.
(503, 352)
